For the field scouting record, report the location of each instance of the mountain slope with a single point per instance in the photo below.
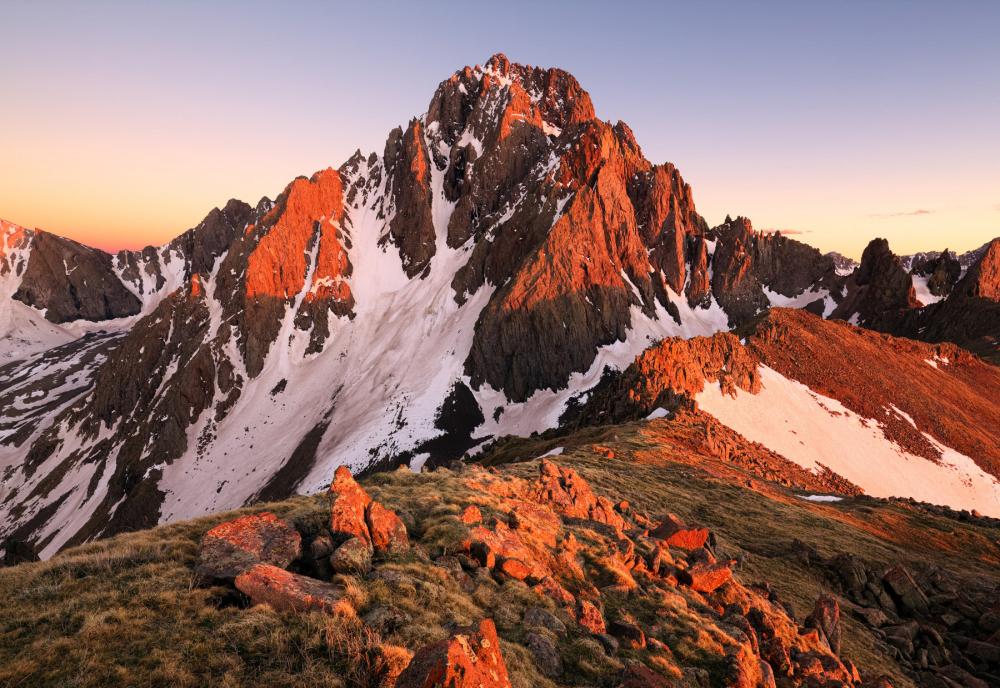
(473, 280)
(892, 416)
(502, 251)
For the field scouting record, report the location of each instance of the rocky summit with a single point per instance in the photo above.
(496, 406)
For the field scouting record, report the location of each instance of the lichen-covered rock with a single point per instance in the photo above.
(675, 533)
(388, 533)
(230, 548)
(349, 508)
(470, 658)
(353, 557)
(286, 591)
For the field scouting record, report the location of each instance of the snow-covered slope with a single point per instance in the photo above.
(816, 431)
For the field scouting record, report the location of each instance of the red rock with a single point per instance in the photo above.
(706, 577)
(825, 618)
(230, 548)
(347, 514)
(570, 495)
(550, 587)
(388, 534)
(640, 676)
(502, 543)
(515, 568)
(675, 533)
(470, 658)
(589, 616)
(472, 515)
(286, 591)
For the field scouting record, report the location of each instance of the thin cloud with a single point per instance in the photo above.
(909, 213)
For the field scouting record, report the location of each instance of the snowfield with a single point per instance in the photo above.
(813, 430)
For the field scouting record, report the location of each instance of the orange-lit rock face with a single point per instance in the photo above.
(987, 277)
(289, 592)
(277, 267)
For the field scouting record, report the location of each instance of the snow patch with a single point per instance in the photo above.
(814, 430)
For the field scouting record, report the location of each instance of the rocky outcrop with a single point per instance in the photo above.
(360, 522)
(667, 376)
(411, 226)
(879, 291)
(70, 281)
(470, 658)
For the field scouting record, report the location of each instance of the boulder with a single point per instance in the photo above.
(470, 658)
(350, 504)
(590, 617)
(629, 633)
(354, 557)
(286, 591)
(705, 577)
(388, 534)
(905, 592)
(536, 617)
(675, 533)
(230, 548)
(825, 618)
(545, 653)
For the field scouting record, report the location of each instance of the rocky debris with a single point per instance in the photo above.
(470, 658)
(353, 514)
(570, 495)
(675, 533)
(286, 591)
(825, 618)
(929, 622)
(230, 548)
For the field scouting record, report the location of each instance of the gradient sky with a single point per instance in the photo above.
(123, 123)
